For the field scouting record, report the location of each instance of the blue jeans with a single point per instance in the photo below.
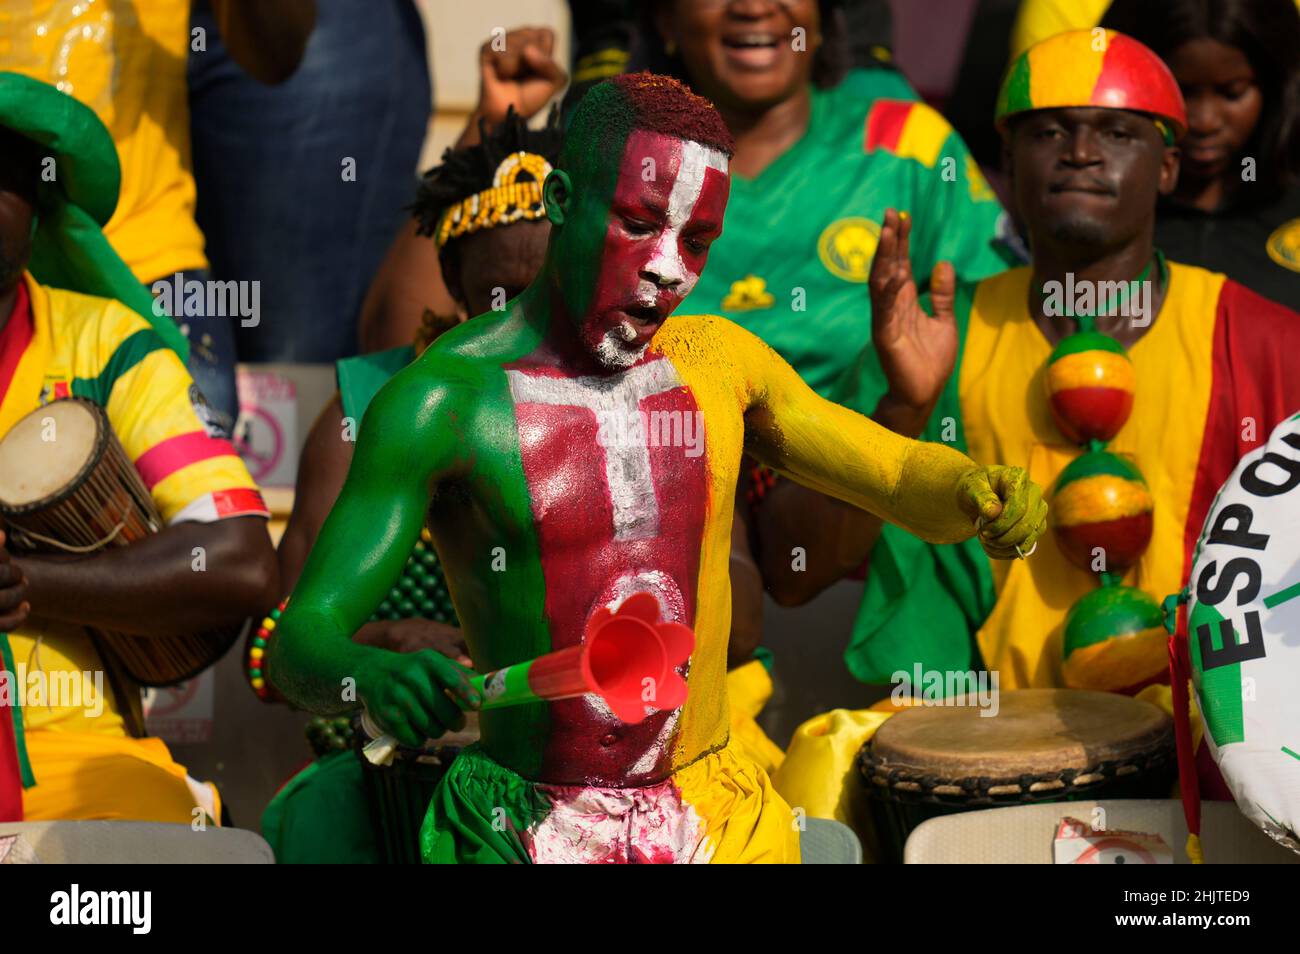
(303, 186)
(212, 353)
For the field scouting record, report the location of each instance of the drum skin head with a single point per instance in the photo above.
(1035, 732)
(46, 451)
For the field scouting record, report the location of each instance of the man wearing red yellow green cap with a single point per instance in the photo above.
(1128, 384)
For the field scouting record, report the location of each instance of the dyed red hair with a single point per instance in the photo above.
(611, 110)
(662, 104)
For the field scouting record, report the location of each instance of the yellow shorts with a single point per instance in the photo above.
(748, 688)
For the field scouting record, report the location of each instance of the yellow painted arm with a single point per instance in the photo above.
(843, 454)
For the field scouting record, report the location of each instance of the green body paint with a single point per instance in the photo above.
(439, 442)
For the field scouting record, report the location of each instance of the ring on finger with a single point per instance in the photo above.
(1020, 553)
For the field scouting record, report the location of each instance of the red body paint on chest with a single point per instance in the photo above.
(618, 509)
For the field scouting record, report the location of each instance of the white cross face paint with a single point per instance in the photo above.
(666, 262)
(667, 208)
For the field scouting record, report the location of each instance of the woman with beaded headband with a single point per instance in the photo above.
(520, 74)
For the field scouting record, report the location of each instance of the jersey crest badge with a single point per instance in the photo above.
(847, 246)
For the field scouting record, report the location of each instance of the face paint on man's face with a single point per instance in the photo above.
(666, 211)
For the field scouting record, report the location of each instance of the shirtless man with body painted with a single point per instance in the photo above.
(542, 513)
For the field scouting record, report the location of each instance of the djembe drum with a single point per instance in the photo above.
(398, 794)
(1043, 745)
(67, 486)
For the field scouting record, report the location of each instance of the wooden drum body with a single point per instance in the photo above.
(67, 486)
(1043, 745)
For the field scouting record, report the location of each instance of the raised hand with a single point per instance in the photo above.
(410, 695)
(14, 607)
(917, 352)
(523, 75)
(1006, 506)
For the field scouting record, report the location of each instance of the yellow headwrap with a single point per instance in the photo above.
(510, 199)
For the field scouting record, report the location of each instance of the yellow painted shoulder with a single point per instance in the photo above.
(718, 347)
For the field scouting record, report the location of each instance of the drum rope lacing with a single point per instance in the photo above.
(906, 784)
(21, 535)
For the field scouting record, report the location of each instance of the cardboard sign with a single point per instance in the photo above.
(266, 434)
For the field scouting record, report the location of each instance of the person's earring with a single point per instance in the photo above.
(670, 47)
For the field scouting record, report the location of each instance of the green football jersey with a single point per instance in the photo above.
(791, 265)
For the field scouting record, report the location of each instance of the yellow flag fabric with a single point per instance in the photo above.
(748, 689)
(1039, 19)
(819, 777)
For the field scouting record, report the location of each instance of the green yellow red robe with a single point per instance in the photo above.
(1215, 373)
